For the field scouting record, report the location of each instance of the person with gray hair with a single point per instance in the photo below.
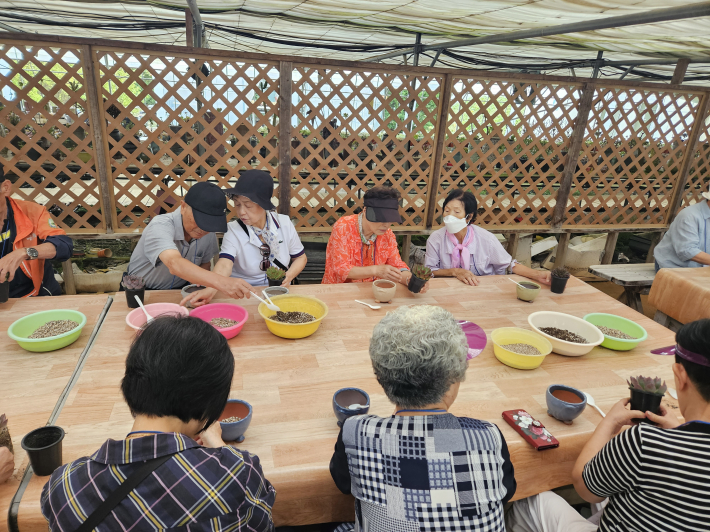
(422, 466)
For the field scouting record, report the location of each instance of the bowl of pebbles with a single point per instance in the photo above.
(569, 335)
(620, 334)
(48, 330)
(228, 319)
(299, 317)
(235, 420)
(519, 348)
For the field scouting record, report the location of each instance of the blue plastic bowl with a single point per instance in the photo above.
(344, 398)
(234, 431)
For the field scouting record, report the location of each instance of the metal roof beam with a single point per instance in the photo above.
(199, 25)
(7, 27)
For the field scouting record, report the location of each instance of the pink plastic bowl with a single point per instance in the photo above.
(136, 318)
(223, 310)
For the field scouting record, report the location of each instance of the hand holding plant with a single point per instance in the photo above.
(619, 416)
(667, 419)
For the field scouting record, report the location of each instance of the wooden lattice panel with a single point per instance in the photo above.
(699, 175)
(45, 135)
(506, 142)
(175, 120)
(352, 130)
(631, 157)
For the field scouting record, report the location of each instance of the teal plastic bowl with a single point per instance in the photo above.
(622, 324)
(22, 328)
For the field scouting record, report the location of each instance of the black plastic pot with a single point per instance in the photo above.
(415, 284)
(4, 291)
(44, 448)
(645, 402)
(131, 297)
(275, 282)
(558, 284)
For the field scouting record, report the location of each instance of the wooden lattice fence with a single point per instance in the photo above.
(95, 127)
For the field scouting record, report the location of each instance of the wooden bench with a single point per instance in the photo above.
(635, 278)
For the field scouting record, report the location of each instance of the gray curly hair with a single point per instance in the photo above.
(417, 353)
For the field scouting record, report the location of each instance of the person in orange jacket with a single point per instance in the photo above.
(28, 239)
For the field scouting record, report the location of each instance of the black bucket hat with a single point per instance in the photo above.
(256, 185)
(209, 207)
(383, 210)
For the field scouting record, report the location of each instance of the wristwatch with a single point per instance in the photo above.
(32, 253)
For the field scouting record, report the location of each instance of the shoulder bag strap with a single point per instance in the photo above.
(120, 493)
(276, 261)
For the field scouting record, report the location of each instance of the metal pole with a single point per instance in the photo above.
(597, 64)
(417, 46)
(10, 28)
(199, 25)
(701, 9)
(627, 71)
(436, 58)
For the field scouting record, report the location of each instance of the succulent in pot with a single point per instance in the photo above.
(559, 278)
(135, 286)
(5, 439)
(420, 275)
(646, 394)
(275, 275)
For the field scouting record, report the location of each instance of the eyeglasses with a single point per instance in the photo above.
(265, 253)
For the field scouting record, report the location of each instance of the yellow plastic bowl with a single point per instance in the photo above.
(294, 303)
(515, 335)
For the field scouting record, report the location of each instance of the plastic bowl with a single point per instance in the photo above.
(515, 335)
(622, 324)
(234, 431)
(294, 303)
(136, 318)
(22, 328)
(223, 310)
(344, 398)
(570, 323)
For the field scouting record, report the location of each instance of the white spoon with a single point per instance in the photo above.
(516, 282)
(148, 317)
(270, 306)
(263, 292)
(590, 401)
(673, 393)
(373, 307)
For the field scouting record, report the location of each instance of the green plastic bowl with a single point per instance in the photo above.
(622, 324)
(22, 328)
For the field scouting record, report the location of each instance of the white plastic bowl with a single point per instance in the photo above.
(570, 323)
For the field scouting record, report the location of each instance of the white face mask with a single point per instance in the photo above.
(454, 224)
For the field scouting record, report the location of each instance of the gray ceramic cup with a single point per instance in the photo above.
(565, 410)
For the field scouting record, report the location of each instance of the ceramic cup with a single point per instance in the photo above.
(565, 403)
(276, 291)
(345, 398)
(188, 290)
(234, 431)
(383, 290)
(529, 293)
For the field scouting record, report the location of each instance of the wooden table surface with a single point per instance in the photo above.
(290, 384)
(682, 293)
(33, 382)
(626, 274)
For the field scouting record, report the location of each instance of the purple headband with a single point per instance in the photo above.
(683, 353)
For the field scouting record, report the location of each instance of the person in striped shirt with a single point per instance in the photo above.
(654, 476)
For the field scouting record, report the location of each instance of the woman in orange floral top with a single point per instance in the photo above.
(363, 248)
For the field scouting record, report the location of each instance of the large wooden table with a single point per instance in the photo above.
(290, 384)
(681, 294)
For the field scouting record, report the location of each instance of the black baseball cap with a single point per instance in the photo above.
(209, 207)
(256, 185)
(383, 210)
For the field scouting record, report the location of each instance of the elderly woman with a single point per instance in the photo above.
(462, 250)
(422, 465)
(258, 239)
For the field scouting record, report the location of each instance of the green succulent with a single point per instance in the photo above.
(560, 273)
(274, 273)
(648, 385)
(422, 272)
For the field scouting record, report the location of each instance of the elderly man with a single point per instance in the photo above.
(29, 237)
(687, 242)
(176, 248)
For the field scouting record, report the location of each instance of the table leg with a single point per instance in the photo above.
(633, 299)
(662, 318)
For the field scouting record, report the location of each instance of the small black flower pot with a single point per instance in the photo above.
(4, 291)
(275, 282)
(558, 284)
(44, 448)
(645, 402)
(415, 284)
(131, 297)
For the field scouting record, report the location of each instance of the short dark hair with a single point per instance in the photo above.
(181, 367)
(2, 173)
(695, 337)
(382, 192)
(470, 204)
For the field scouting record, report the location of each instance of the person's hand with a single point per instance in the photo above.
(287, 280)
(545, 278)
(619, 416)
(10, 263)
(385, 271)
(199, 298)
(466, 276)
(7, 464)
(236, 288)
(667, 419)
(212, 437)
(424, 288)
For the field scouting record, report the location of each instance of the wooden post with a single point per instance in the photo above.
(100, 133)
(68, 275)
(513, 240)
(561, 253)
(406, 248)
(610, 246)
(654, 242)
(189, 28)
(436, 156)
(585, 105)
(285, 92)
(681, 68)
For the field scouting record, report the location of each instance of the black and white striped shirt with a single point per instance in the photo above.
(657, 479)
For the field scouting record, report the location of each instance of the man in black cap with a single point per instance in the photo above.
(176, 248)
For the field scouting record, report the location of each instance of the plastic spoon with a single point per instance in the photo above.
(263, 292)
(270, 306)
(590, 401)
(516, 282)
(373, 307)
(148, 317)
(673, 393)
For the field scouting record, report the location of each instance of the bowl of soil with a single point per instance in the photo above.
(228, 319)
(348, 402)
(44, 448)
(48, 330)
(527, 290)
(300, 316)
(235, 420)
(519, 348)
(136, 318)
(569, 335)
(620, 334)
(565, 403)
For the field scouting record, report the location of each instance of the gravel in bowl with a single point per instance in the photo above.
(53, 328)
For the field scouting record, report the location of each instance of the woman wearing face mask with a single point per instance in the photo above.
(462, 250)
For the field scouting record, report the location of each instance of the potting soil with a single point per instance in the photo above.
(522, 349)
(232, 419)
(616, 333)
(223, 323)
(564, 334)
(53, 328)
(293, 317)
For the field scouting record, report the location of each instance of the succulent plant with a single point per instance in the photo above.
(422, 272)
(5, 439)
(647, 385)
(133, 282)
(560, 273)
(274, 273)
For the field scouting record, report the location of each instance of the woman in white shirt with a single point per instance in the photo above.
(258, 239)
